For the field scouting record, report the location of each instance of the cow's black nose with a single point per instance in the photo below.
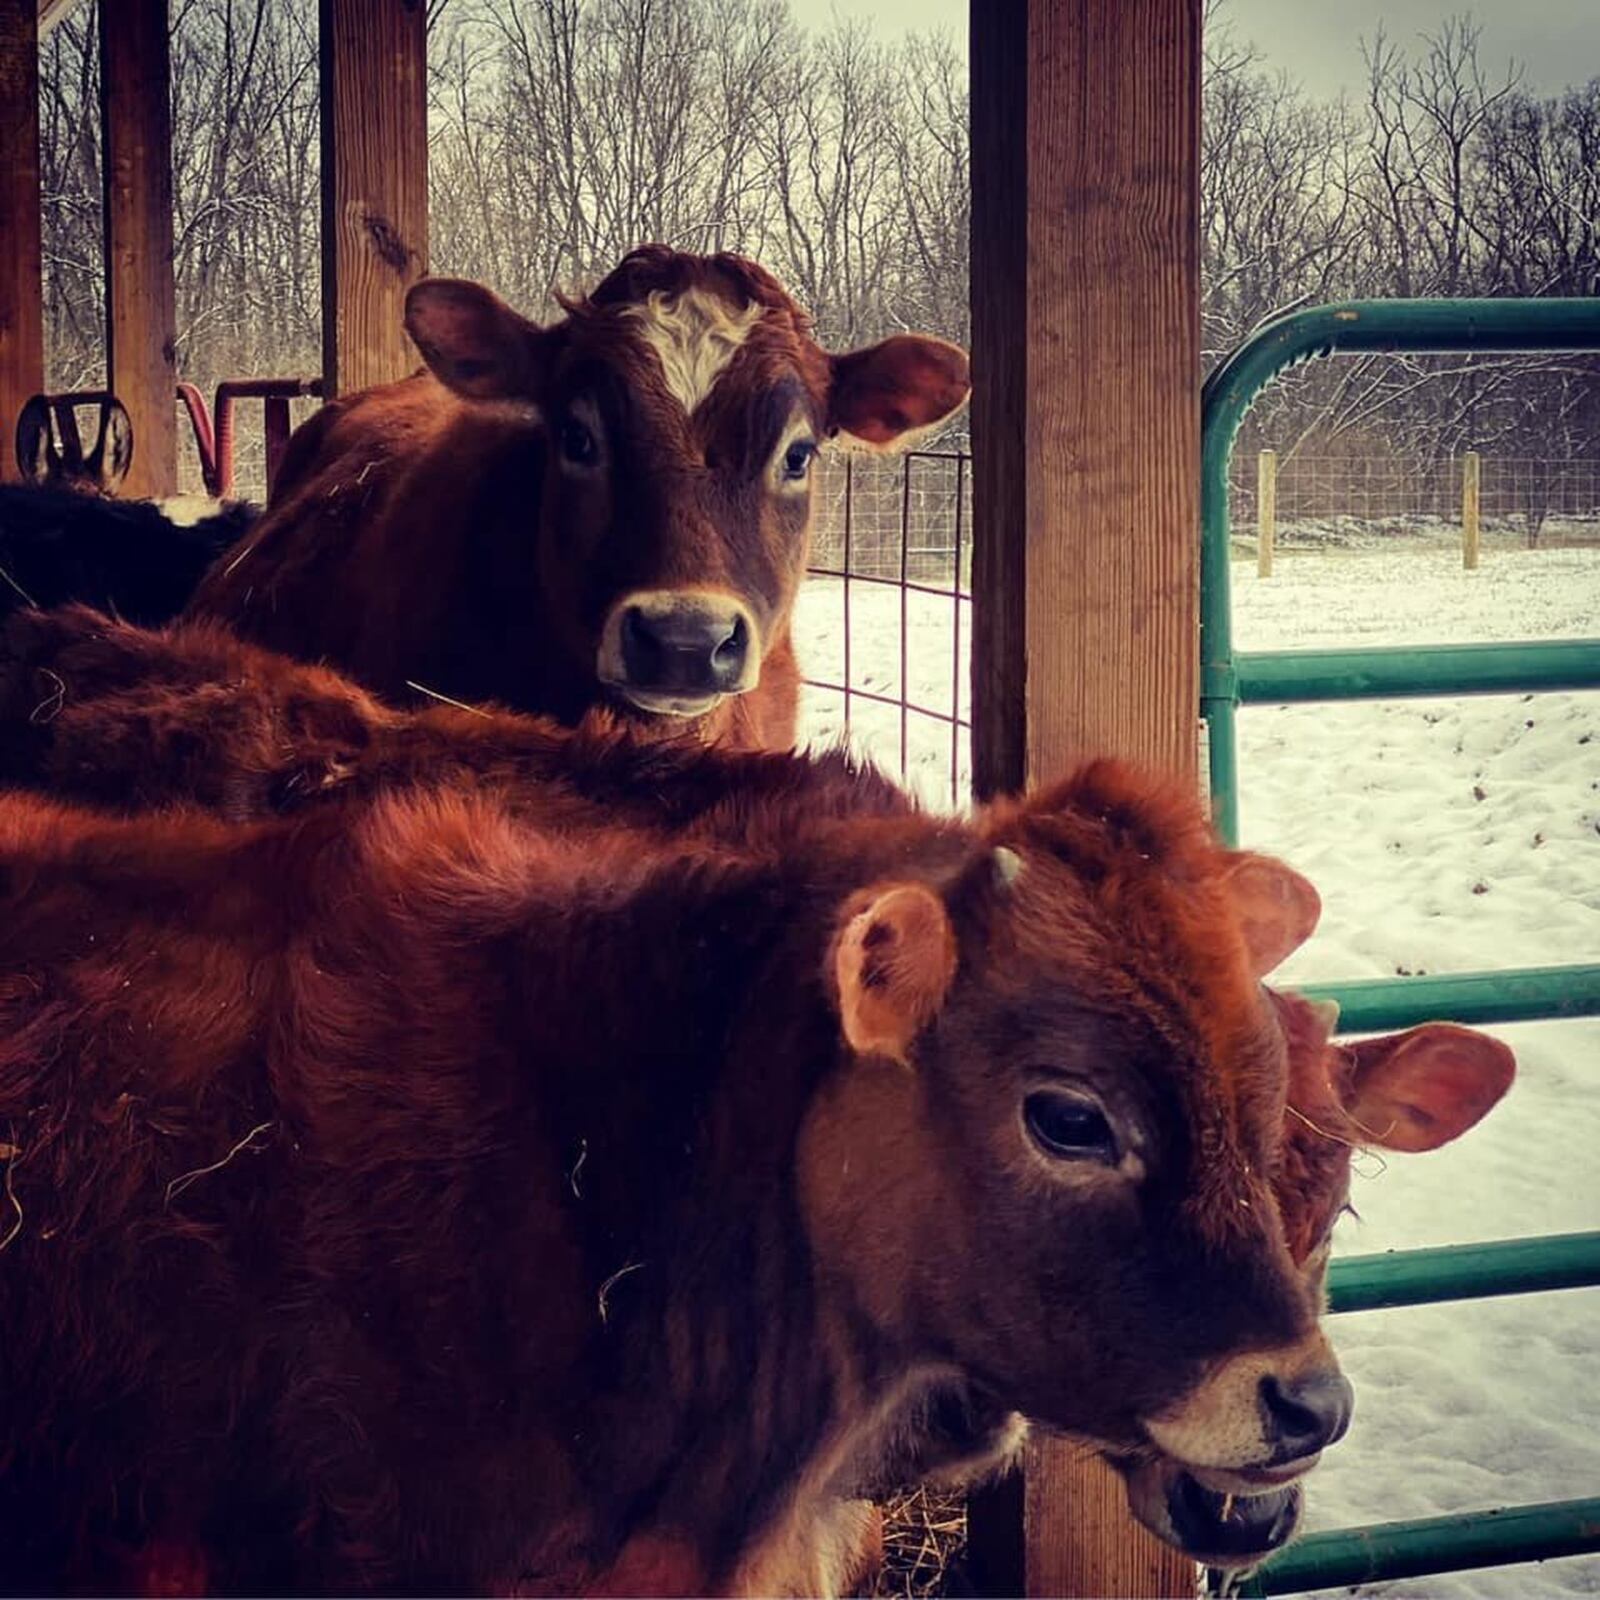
(1305, 1414)
(689, 646)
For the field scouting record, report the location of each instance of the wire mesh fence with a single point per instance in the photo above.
(884, 626)
(1339, 500)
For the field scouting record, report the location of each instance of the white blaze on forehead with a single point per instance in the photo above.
(695, 335)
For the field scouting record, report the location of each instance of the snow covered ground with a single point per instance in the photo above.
(1444, 836)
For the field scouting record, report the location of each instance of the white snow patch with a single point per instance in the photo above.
(1444, 835)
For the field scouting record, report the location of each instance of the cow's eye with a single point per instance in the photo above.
(797, 459)
(577, 443)
(1069, 1126)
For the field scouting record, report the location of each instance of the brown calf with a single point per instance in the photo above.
(407, 1198)
(148, 719)
(612, 509)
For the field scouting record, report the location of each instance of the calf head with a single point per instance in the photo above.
(1060, 1160)
(681, 407)
(1410, 1091)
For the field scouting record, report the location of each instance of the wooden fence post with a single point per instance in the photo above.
(1266, 510)
(1085, 332)
(21, 269)
(374, 186)
(141, 315)
(1469, 510)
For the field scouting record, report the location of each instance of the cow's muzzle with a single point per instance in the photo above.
(1222, 1480)
(677, 653)
(1213, 1518)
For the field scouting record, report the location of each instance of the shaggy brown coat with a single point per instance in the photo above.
(110, 713)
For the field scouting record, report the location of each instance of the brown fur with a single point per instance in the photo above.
(309, 1259)
(116, 715)
(433, 532)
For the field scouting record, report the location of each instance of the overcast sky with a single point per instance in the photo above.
(1317, 41)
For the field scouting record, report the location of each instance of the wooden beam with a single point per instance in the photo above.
(374, 186)
(1086, 462)
(141, 325)
(21, 260)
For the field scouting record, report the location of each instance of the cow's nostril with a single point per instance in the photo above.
(1306, 1414)
(728, 657)
(641, 650)
(685, 646)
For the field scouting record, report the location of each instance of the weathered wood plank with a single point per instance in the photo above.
(1086, 436)
(374, 186)
(1001, 377)
(141, 326)
(21, 265)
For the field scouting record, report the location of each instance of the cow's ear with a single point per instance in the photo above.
(892, 967)
(1421, 1089)
(1278, 910)
(471, 339)
(887, 395)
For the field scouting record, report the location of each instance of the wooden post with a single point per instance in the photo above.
(141, 326)
(1470, 465)
(21, 260)
(1266, 510)
(1086, 462)
(374, 186)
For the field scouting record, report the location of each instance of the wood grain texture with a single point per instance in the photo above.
(374, 186)
(21, 266)
(1471, 478)
(1081, 1540)
(1086, 443)
(1266, 510)
(1000, 384)
(1113, 438)
(141, 329)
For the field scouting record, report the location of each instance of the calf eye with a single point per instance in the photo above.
(797, 459)
(577, 443)
(1069, 1126)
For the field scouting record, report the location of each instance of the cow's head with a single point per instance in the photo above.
(682, 405)
(1064, 1156)
(1410, 1091)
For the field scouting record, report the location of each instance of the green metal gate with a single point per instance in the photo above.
(1229, 679)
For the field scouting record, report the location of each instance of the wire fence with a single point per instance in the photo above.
(884, 627)
(1536, 502)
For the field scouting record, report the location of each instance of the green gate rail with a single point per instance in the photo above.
(1229, 679)
(1284, 677)
(1527, 994)
(1388, 1550)
(1464, 1272)
(1357, 325)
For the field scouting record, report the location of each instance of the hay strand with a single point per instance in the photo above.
(179, 1184)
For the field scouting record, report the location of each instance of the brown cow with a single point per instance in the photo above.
(96, 682)
(612, 509)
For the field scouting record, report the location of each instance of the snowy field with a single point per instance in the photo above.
(1443, 836)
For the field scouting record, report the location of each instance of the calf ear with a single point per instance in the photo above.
(1421, 1089)
(892, 967)
(1278, 909)
(888, 394)
(471, 339)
